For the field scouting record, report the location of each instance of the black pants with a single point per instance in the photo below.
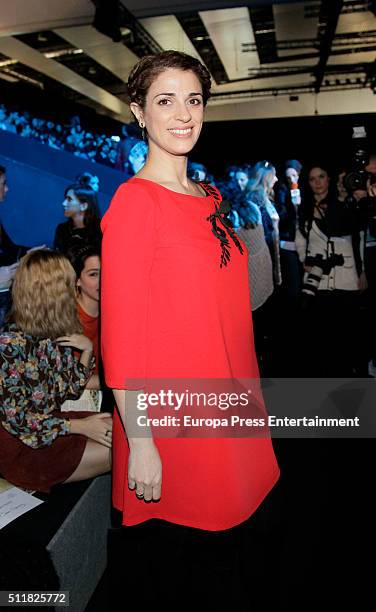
(264, 331)
(370, 266)
(331, 338)
(291, 270)
(175, 566)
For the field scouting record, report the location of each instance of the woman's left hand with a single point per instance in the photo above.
(97, 427)
(78, 341)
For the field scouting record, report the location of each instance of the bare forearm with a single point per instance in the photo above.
(86, 357)
(93, 382)
(77, 426)
(126, 402)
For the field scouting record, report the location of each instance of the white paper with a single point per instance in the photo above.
(14, 502)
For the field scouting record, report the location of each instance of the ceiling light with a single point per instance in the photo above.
(62, 53)
(8, 62)
(8, 77)
(23, 77)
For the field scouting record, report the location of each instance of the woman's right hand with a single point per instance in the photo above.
(145, 470)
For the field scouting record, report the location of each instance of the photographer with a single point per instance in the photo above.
(328, 243)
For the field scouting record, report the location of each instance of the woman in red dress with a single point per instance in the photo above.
(175, 305)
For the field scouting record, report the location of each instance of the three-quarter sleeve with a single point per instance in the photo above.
(35, 379)
(24, 399)
(129, 238)
(71, 376)
(35, 429)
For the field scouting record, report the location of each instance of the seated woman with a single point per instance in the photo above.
(83, 225)
(87, 264)
(39, 446)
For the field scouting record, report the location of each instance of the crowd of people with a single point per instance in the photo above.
(49, 350)
(125, 152)
(311, 254)
(311, 240)
(70, 136)
(175, 304)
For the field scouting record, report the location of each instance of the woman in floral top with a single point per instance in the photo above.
(39, 445)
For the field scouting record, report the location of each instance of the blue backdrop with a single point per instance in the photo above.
(37, 177)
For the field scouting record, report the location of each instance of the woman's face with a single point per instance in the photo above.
(241, 179)
(271, 179)
(319, 181)
(72, 206)
(94, 183)
(174, 111)
(89, 280)
(292, 176)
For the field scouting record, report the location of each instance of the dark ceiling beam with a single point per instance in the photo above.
(329, 15)
(285, 91)
(197, 33)
(262, 20)
(176, 7)
(111, 16)
(348, 39)
(334, 69)
(350, 7)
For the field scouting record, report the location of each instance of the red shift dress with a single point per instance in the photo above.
(169, 310)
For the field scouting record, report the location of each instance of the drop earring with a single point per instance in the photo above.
(143, 131)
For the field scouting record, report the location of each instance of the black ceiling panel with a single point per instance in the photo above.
(263, 25)
(75, 59)
(196, 31)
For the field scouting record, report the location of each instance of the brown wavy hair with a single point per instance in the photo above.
(151, 66)
(44, 298)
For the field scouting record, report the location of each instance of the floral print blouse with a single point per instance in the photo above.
(36, 377)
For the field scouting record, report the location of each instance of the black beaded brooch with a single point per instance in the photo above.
(222, 208)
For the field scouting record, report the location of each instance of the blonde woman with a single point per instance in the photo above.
(40, 446)
(260, 191)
